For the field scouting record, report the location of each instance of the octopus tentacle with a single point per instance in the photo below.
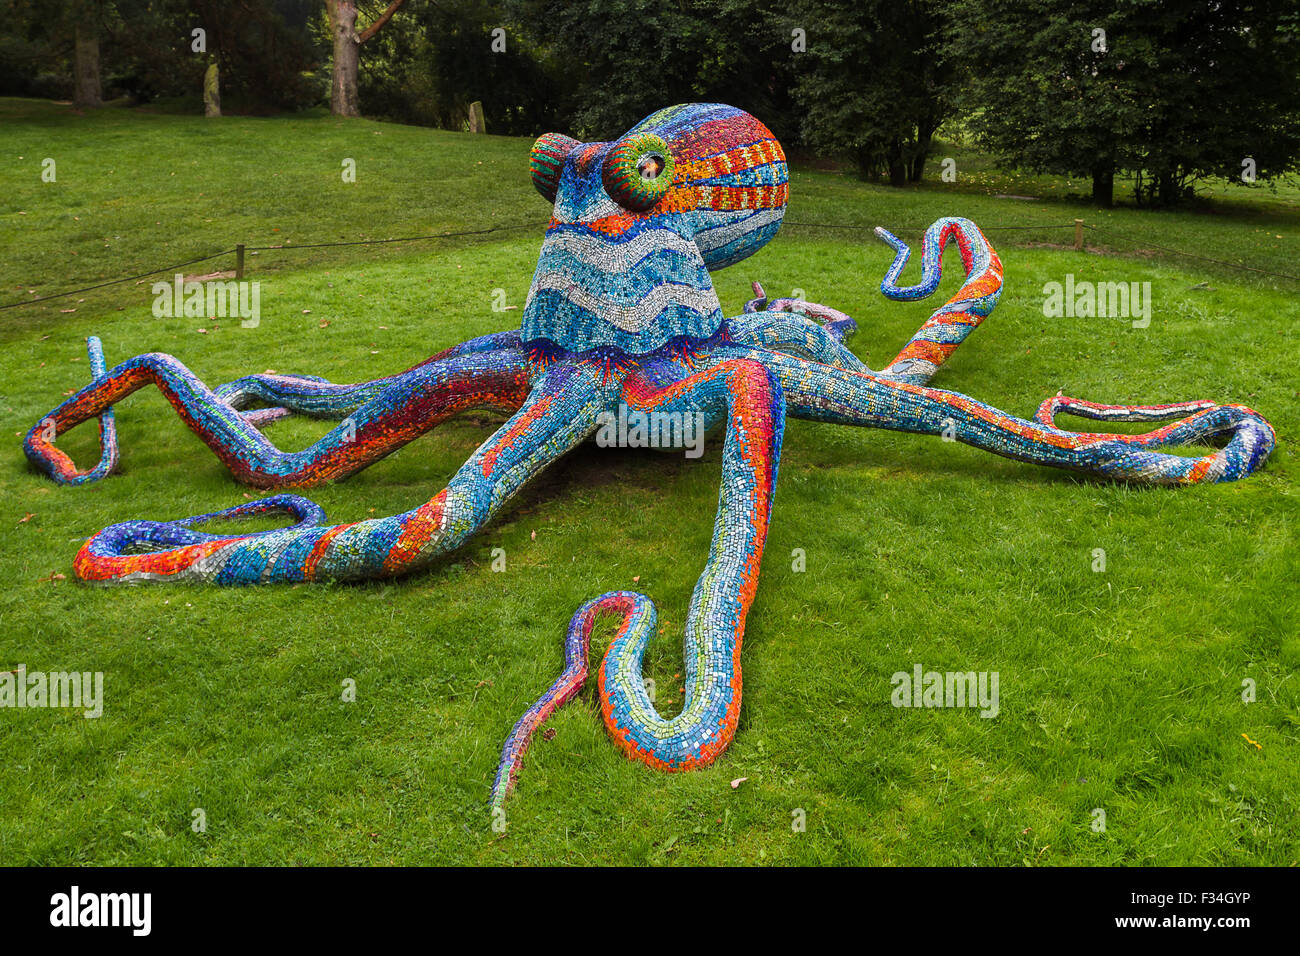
(837, 324)
(750, 399)
(794, 334)
(62, 469)
(316, 397)
(551, 422)
(948, 327)
(307, 395)
(406, 407)
(1059, 404)
(820, 392)
(638, 615)
(492, 342)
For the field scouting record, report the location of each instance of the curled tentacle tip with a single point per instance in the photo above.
(305, 512)
(898, 245)
(95, 349)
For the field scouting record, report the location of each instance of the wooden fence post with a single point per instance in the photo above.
(1078, 235)
(239, 260)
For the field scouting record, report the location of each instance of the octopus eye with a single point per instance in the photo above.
(638, 171)
(546, 161)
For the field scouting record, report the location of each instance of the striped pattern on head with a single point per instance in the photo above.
(730, 181)
(638, 224)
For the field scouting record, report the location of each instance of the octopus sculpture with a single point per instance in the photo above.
(621, 317)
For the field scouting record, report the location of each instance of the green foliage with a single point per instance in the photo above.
(1181, 90)
(875, 82)
(1169, 93)
(146, 50)
(432, 60)
(619, 61)
(263, 48)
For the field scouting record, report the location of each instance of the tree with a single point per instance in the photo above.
(51, 48)
(1167, 90)
(87, 89)
(430, 64)
(263, 48)
(148, 49)
(617, 61)
(875, 82)
(344, 100)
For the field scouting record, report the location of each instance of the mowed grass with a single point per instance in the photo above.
(1119, 690)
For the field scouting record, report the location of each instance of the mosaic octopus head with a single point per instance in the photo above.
(639, 223)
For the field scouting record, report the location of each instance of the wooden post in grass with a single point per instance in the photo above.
(239, 260)
(1078, 235)
(477, 124)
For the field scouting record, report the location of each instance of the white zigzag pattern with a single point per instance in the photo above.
(717, 236)
(629, 318)
(594, 251)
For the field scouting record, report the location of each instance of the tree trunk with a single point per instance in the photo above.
(868, 169)
(344, 100)
(898, 163)
(1167, 189)
(1103, 186)
(915, 169)
(86, 66)
(924, 137)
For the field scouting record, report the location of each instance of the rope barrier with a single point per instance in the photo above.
(142, 275)
(379, 242)
(309, 245)
(855, 226)
(1101, 231)
(530, 225)
(1190, 255)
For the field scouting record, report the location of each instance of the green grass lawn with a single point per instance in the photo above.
(1119, 691)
